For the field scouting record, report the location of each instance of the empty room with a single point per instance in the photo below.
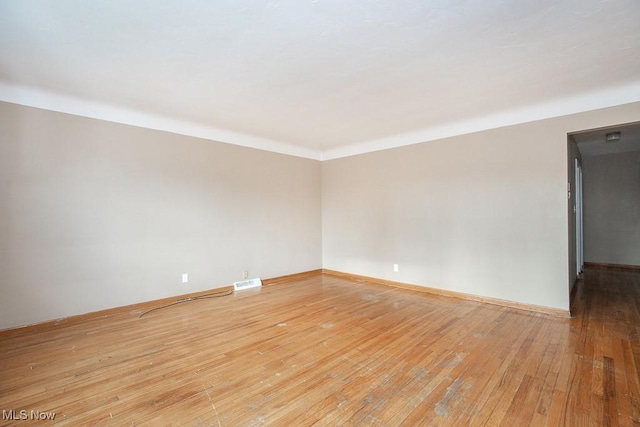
(237, 213)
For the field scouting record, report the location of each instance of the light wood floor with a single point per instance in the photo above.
(327, 351)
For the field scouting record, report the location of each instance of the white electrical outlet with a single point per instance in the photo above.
(245, 274)
(396, 268)
(185, 277)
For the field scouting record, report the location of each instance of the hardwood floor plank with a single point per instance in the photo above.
(610, 416)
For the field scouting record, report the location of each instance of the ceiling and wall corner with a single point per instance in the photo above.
(320, 80)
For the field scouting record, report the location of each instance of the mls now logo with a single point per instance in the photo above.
(27, 415)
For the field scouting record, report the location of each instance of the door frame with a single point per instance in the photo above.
(577, 210)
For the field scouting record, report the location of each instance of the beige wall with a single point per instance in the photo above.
(612, 208)
(484, 214)
(96, 215)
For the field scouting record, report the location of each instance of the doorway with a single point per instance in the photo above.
(603, 206)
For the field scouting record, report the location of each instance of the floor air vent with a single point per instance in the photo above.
(247, 284)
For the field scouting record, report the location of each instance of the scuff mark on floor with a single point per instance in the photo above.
(441, 407)
(213, 406)
(371, 297)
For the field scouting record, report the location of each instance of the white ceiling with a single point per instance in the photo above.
(320, 79)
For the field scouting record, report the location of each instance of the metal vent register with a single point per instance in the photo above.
(247, 284)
